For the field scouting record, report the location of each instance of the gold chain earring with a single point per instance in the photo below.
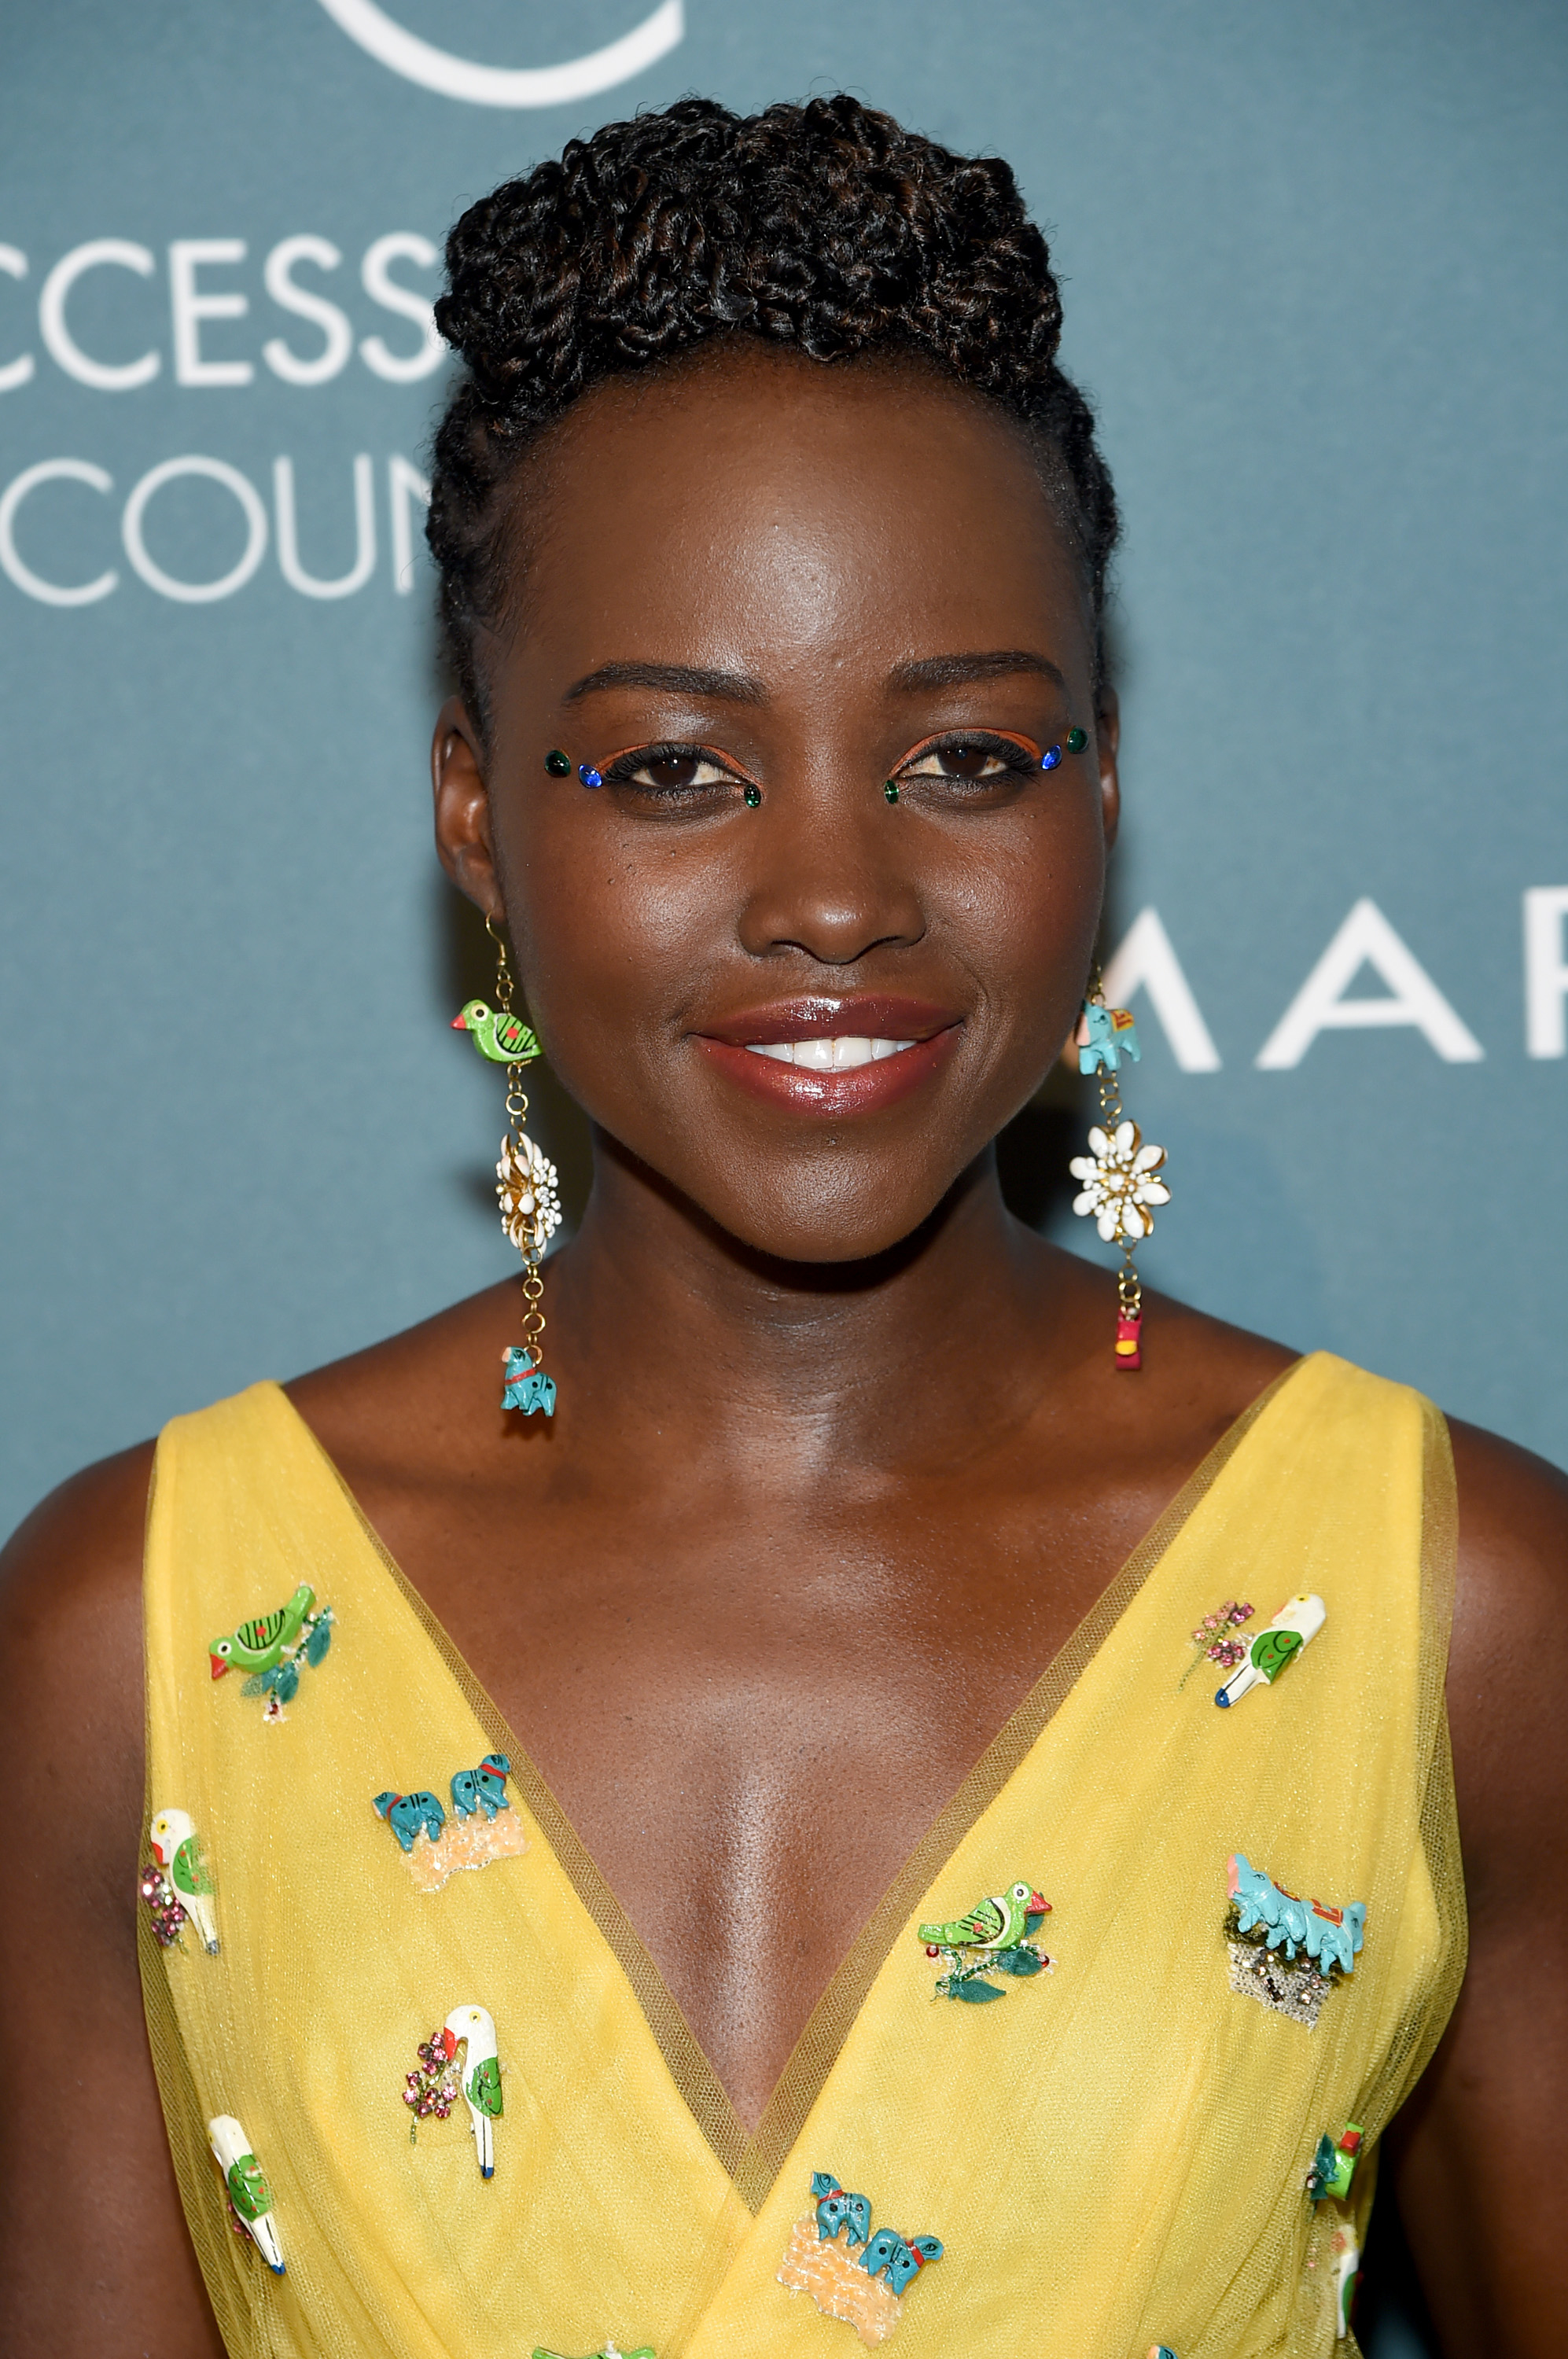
(527, 1183)
(1120, 1186)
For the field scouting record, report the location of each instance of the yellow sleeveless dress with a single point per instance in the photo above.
(1112, 2155)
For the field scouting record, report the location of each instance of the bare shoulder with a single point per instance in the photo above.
(1513, 1511)
(418, 1400)
(71, 1604)
(91, 2185)
(1505, 1699)
(70, 1670)
(1492, 2247)
(1197, 1376)
(1232, 1362)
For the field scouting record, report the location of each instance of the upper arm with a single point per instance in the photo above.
(95, 2260)
(1478, 2151)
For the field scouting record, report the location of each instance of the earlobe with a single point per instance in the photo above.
(463, 807)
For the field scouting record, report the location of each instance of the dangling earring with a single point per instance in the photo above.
(527, 1183)
(1118, 1172)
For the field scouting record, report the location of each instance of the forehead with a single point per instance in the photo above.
(757, 500)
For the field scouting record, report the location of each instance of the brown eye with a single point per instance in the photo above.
(675, 773)
(673, 770)
(971, 762)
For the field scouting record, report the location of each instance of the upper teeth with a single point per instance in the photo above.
(840, 1055)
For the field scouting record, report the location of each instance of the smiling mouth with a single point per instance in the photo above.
(841, 1053)
(813, 1057)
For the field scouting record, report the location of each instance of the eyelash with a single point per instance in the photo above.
(1020, 757)
(622, 770)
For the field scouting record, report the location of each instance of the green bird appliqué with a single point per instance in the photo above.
(992, 1939)
(998, 1923)
(259, 1645)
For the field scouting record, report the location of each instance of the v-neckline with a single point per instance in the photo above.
(752, 2159)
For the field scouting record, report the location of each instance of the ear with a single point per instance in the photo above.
(463, 807)
(1108, 737)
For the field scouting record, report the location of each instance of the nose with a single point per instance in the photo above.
(833, 885)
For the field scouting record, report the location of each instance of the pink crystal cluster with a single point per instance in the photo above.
(1211, 1634)
(436, 2087)
(168, 1915)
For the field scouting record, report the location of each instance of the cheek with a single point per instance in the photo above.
(619, 938)
(1021, 910)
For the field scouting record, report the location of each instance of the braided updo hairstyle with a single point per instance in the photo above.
(825, 228)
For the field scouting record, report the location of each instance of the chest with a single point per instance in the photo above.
(753, 1711)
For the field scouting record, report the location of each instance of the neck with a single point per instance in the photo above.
(826, 1360)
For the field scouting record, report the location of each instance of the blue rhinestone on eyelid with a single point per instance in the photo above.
(588, 774)
(1049, 758)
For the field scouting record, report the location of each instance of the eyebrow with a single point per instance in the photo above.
(962, 671)
(740, 687)
(675, 680)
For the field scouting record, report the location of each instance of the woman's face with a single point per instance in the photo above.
(766, 573)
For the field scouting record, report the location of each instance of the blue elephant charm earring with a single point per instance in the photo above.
(1119, 1174)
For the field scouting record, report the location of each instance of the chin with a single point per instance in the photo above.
(861, 1216)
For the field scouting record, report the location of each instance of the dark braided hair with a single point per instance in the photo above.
(826, 228)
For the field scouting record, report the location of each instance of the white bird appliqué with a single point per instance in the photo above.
(480, 2077)
(249, 2191)
(1273, 1650)
(174, 1847)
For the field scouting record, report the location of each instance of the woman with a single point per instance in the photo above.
(838, 1619)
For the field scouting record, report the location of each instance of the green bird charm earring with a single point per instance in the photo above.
(527, 1183)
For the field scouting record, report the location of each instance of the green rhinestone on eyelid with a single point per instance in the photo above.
(1076, 740)
(557, 764)
(890, 788)
(753, 796)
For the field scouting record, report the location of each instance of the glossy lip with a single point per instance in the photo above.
(865, 1015)
(868, 1088)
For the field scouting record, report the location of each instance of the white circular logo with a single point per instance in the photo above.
(438, 70)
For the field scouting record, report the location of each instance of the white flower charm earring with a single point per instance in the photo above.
(1120, 1186)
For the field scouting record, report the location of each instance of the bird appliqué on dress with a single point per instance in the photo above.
(178, 1883)
(993, 1937)
(460, 2060)
(250, 2197)
(272, 1648)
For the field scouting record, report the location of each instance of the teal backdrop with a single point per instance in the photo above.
(1314, 265)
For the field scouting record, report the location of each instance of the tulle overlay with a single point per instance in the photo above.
(1114, 2157)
